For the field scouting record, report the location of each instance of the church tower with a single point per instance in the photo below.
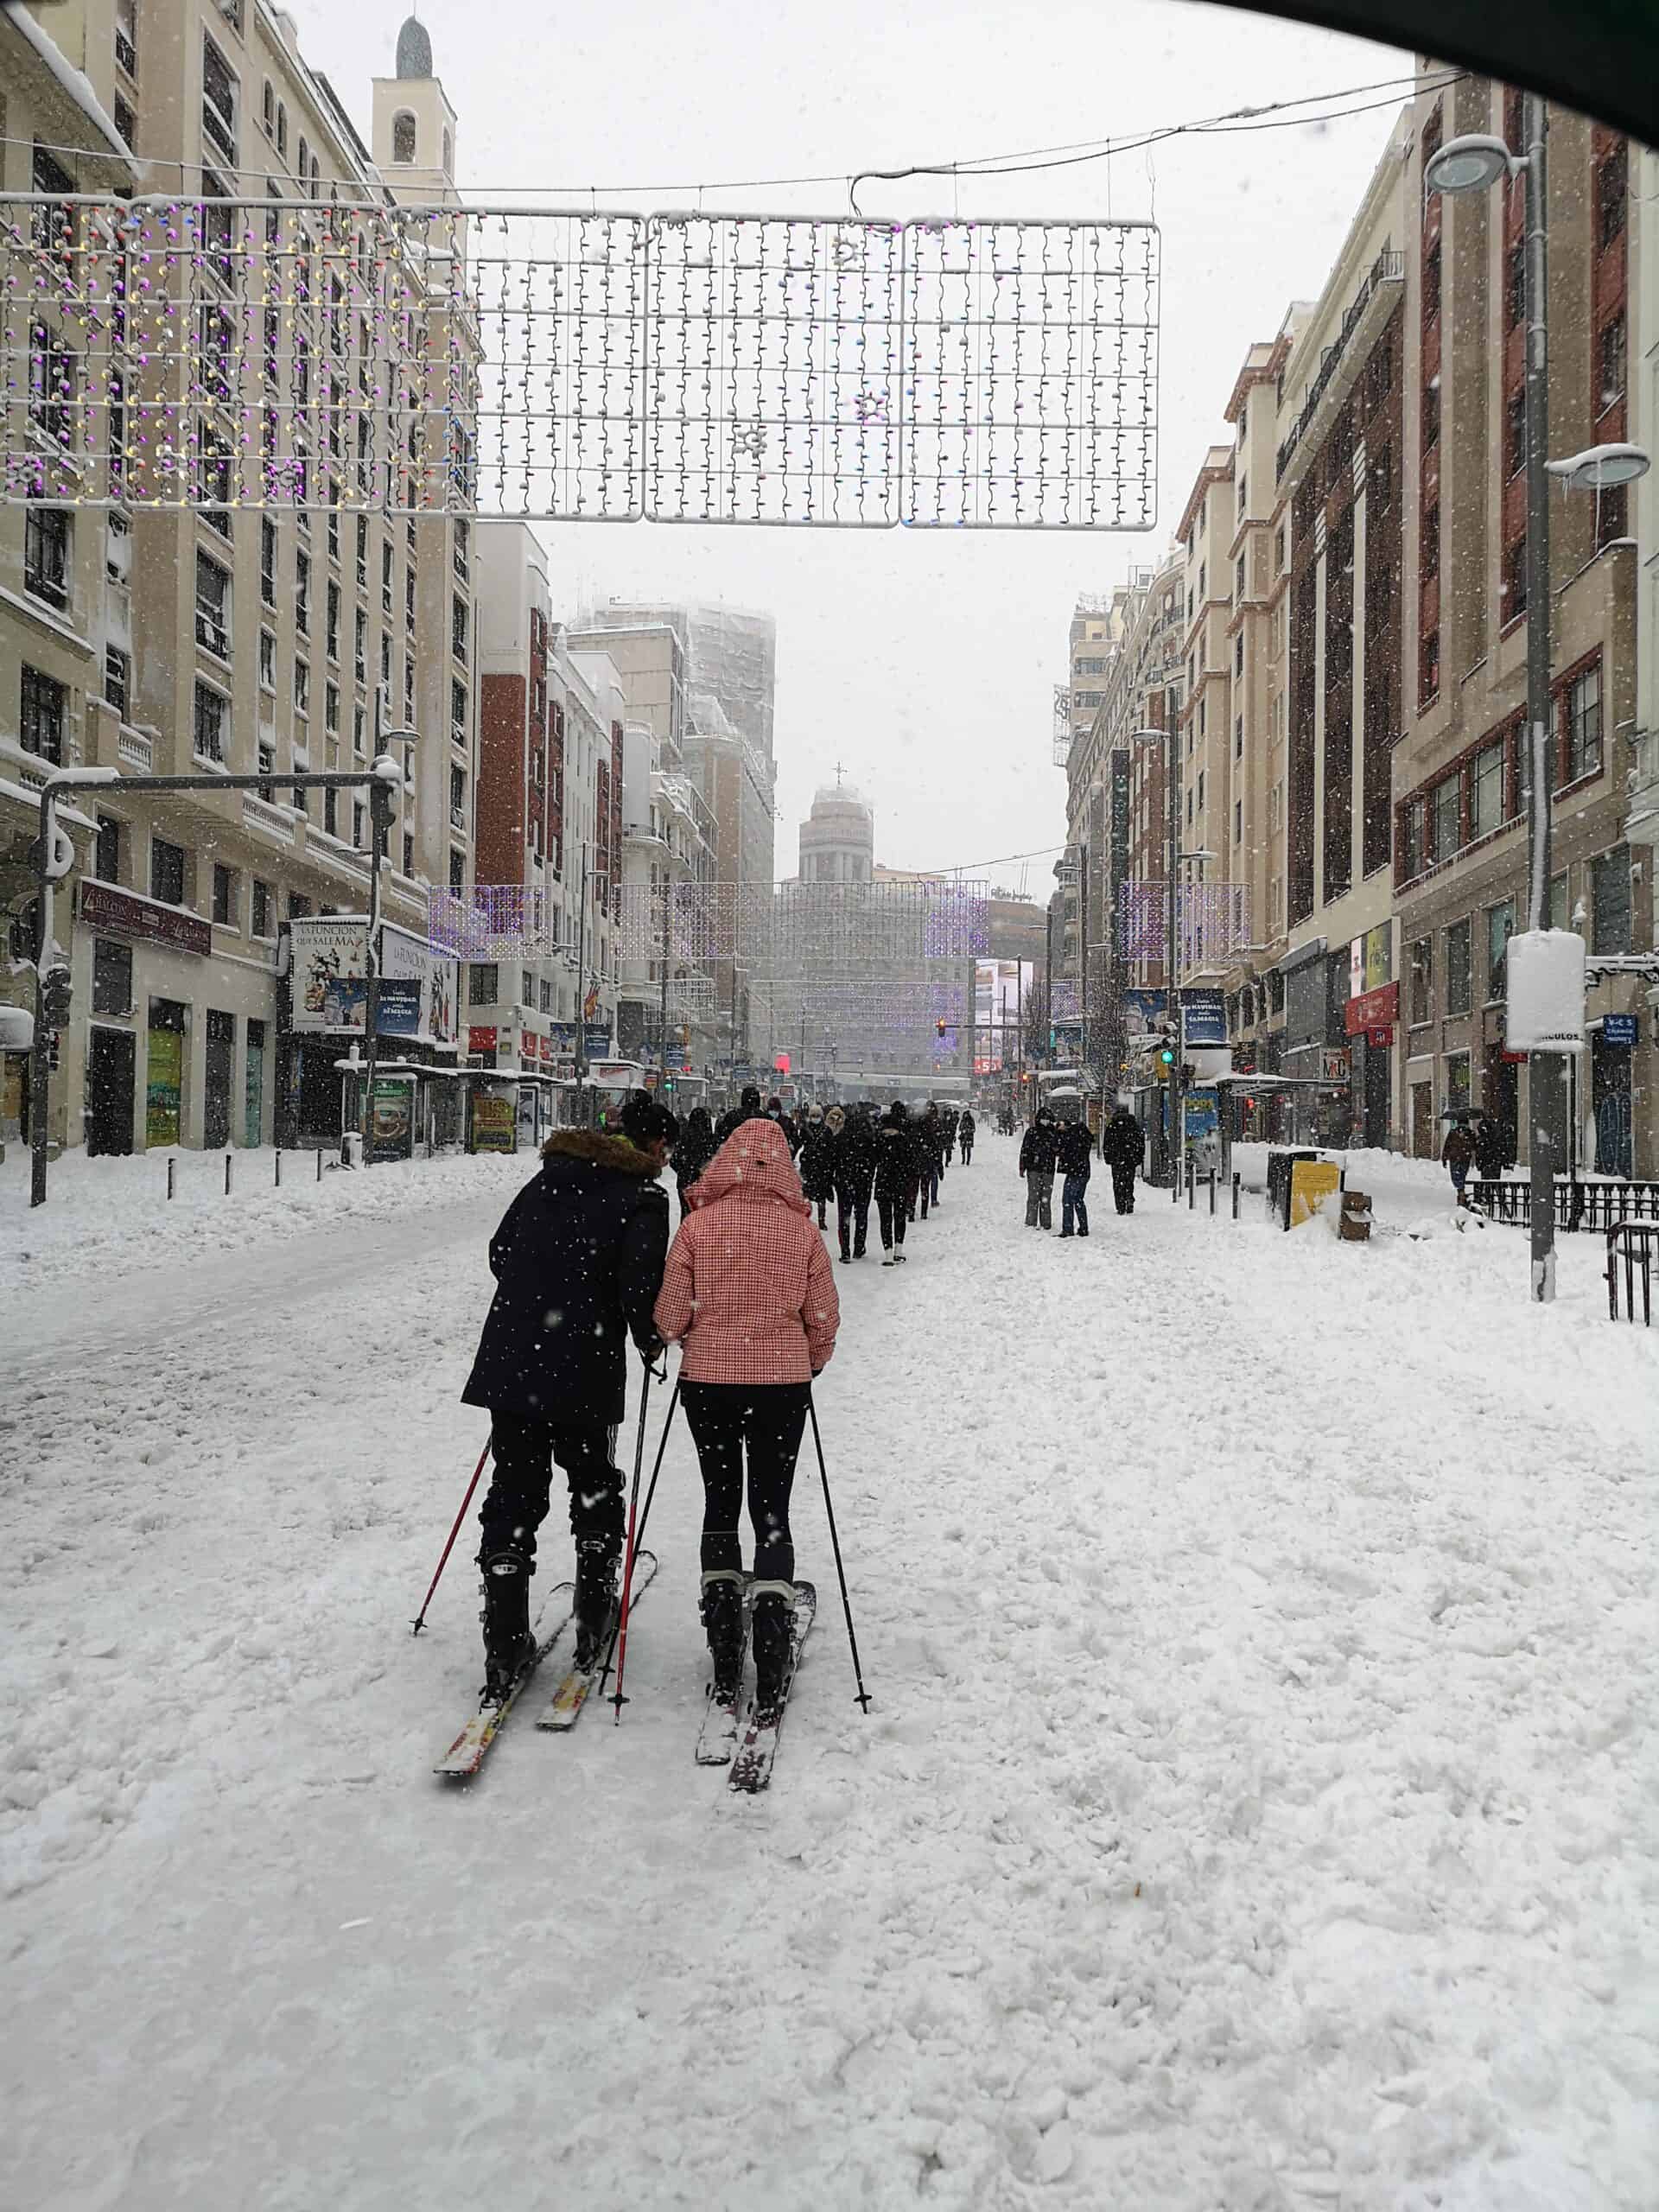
(414, 124)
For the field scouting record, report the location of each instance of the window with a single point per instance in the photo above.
(1486, 791)
(1238, 820)
(224, 896)
(259, 920)
(211, 723)
(1457, 1079)
(458, 711)
(1583, 752)
(1431, 542)
(268, 109)
(39, 723)
(1514, 435)
(45, 555)
(526, 987)
(359, 842)
(1610, 901)
(331, 708)
(299, 907)
(385, 660)
(213, 607)
(1432, 417)
(1414, 849)
(386, 577)
(463, 544)
(267, 560)
(1500, 928)
(302, 593)
(267, 660)
(50, 226)
(334, 520)
(409, 854)
(362, 553)
(1431, 282)
(1458, 982)
(1515, 286)
(481, 983)
(1612, 176)
(457, 872)
(53, 374)
(408, 689)
(303, 163)
(1279, 550)
(118, 427)
(458, 623)
(166, 872)
(409, 594)
(1611, 354)
(301, 687)
(1238, 654)
(360, 646)
(214, 479)
(1512, 603)
(402, 136)
(112, 977)
(1422, 980)
(106, 850)
(126, 35)
(267, 763)
(1238, 739)
(458, 797)
(1444, 815)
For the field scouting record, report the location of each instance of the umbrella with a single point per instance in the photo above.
(1462, 1114)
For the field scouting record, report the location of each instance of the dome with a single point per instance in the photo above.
(845, 798)
(414, 50)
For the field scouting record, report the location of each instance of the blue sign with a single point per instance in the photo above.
(1148, 1004)
(399, 1014)
(1204, 1017)
(1618, 1029)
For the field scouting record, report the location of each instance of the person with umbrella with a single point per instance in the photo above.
(1458, 1152)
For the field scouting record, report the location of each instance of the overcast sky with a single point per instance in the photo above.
(924, 664)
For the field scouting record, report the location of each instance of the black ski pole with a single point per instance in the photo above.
(619, 1636)
(835, 1545)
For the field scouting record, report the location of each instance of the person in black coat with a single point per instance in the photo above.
(895, 1180)
(1074, 1156)
(817, 1162)
(1038, 1150)
(854, 1163)
(578, 1262)
(1122, 1147)
(930, 1153)
(692, 1154)
(748, 1109)
(965, 1137)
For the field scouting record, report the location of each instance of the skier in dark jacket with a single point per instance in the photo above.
(965, 1137)
(692, 1152)
(1074, 1156)
(578, 1262)
(1122, 1147)
(895, 1178)
(817, 1162)
(854, 1163)
(748, 1109)
(1038, 1150)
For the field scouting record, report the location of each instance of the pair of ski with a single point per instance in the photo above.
(749, 1747)
(726, 1740)
(564, 1709)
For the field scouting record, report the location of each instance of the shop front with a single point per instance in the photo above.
(1370, 1020)
(321, 1019)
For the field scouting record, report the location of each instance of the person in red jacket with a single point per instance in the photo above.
(749, 1295)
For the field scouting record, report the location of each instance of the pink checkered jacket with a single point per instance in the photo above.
(748, 1293)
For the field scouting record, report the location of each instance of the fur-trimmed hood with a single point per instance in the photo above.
(598, 1149)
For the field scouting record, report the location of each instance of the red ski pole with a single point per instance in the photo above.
(421, 1619)
(618, 1700)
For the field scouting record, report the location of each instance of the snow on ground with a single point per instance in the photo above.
(1255, 1812)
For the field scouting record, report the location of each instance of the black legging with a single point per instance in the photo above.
(892, 1212)
(727, 1420)
(523, 1451)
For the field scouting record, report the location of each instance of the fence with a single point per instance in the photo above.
(1578, 1205)
(1635, 1243)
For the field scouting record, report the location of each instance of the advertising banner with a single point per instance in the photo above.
(495, 1120)
(330, 985)
(1204, 1017)
(1147, 1007)
(419, 989)
(391, 1118)
(596, 1041)
(1312, 1183)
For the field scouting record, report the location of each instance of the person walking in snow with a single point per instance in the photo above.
(692, 1152)
(748, 1109)
(749, 1296)
(817, 1162)
(929, 1161)
(1122, 1147)
(965, 1137)
(1038, 1151)
(895, 1180)
(1492, 1147)
(951, 1120)
(854, 1167)
(1458, 1154)
(1074, 1157)
(578, 1262)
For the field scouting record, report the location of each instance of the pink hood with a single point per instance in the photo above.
(755, 1162)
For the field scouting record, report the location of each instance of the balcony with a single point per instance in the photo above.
(1369, 311)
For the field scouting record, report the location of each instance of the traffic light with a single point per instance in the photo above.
(55, 995)
(938, 1027)
(1166, 1053)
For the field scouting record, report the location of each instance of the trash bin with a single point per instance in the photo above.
(1281, 1159)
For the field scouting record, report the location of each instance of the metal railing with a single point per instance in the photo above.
(1636, 1243)
(1388, 268)
(1594, 1206)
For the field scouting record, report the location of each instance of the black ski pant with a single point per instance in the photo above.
(1123, 1184)
(525, 1451)
(894, 1213)
(853, 1216)
(762, 1422)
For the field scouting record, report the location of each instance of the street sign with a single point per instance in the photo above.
(1618, 1029)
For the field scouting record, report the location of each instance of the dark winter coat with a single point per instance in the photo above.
(578, 1262)
(696, 1149)
(855, 1155)
(1039, 1149)
(895, 1158)
(1075, 1152)
(1491, 1148)
(1459, 1150)
(930, 1131)
(748, 1109)
(1122, 1144)
(965, 1129)
(817, 1162)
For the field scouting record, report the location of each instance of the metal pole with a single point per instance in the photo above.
(1171, 1006)
(662, 1041)
(1546, 1072)
(582, 994)
(40, 1074)
(371, 941)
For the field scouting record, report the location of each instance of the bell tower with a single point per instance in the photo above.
(414, 124)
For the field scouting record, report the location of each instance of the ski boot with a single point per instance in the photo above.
(508, 1643)
(595, 1605)
(770, 1631)
(723, 1621)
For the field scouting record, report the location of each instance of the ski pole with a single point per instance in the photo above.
(619, 1641)
(421, 1620)
(863, 1696)
(633, 1502)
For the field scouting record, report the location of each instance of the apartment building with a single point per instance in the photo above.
(291, 635)
(1642, 821)
(1460, 841)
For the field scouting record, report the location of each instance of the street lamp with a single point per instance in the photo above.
(1599, 468)
(389, 775)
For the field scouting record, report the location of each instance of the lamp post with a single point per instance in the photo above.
(386, 772)
(1474, 163)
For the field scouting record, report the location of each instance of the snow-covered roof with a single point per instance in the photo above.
(72, 81)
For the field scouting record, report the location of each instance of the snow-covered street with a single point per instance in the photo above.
(1256, 1811)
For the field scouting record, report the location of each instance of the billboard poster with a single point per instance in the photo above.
(1147, 1007)
(1204, 1017)
(330, 986)
(495, 1120)
(392, 1119)
(163, 1079)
